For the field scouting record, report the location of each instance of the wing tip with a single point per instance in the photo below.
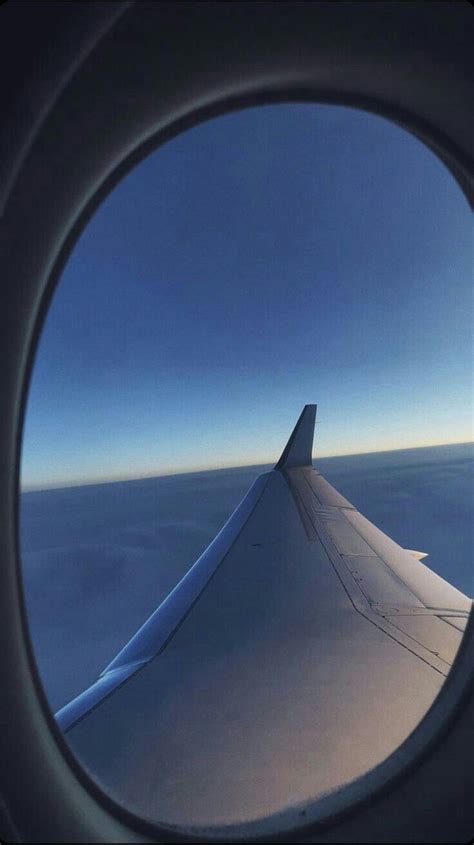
(298, 450)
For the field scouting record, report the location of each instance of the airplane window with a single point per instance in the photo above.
(259, 264)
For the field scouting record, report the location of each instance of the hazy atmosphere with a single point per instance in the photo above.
(265, 259)
(99, 559)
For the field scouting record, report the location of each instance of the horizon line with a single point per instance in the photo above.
(63, 485)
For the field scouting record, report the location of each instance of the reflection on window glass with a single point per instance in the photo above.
(265, 260)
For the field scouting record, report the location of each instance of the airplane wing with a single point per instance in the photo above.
(299, 651)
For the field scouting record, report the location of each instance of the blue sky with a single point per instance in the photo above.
(265, 259)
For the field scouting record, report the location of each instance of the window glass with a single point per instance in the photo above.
(269, 258)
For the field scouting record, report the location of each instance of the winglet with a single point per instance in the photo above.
(298, 450)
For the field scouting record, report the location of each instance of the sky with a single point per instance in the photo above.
(269, 258)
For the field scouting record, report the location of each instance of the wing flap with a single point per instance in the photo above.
(443, 639)
(386, 580)
(426, 585)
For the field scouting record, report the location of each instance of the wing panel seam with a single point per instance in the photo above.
(358, 599)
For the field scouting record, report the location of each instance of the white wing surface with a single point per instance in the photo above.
(299, 651)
